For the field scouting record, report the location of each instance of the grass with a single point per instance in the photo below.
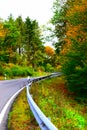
(20, 116)
(56, 103)
(59, 105)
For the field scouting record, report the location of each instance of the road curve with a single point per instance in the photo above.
(7, 89)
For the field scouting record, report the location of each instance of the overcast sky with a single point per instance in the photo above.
(35, 9)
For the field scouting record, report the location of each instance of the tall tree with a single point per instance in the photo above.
(75, 56)
(21, 29)
(10, 40)
(33, 41)
(2, 35)
(70, 21)
(59, 21)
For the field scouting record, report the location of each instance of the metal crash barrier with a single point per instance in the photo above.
(43, 121)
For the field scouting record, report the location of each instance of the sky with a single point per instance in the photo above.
(35, 9)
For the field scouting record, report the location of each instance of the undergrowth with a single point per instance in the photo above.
(55, 102)
(59, 105)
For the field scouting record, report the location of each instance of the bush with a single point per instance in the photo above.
(8, 72)
(18, 71)
(49, 68)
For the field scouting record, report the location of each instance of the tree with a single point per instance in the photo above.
(33, 42)
(3, 32)
(21, 58)
(51, 59)
(70, 21)
(49, 51)
(10, 40)
(21, 29)
(75, 57)
(59, 21)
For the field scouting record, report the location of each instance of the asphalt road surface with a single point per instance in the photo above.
(7, 89)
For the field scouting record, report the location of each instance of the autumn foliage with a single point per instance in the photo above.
(49, 51)
(2, 30)
(76, 22)
(73, 41)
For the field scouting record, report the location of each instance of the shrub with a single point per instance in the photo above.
(49, 68)
(8, 72)
(16, 70)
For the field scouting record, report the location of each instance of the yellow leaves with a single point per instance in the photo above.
(10, 65)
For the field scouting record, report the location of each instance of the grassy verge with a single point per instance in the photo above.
(59, 105)
(55, 102)
(20, 116)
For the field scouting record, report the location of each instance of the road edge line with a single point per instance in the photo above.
(7, 104)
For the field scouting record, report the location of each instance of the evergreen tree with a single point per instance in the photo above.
(21, 29)
(33, 43)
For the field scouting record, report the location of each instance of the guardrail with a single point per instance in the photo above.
(43, 121)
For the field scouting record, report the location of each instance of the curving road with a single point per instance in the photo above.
(7, 89)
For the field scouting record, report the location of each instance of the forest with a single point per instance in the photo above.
(70, 23)
(22, 50)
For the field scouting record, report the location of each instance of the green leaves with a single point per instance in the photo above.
(33, 43)
(75, 69)
(70, 28)
(59, 21)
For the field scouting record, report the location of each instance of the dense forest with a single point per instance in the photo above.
(22, 45)
(70, 23)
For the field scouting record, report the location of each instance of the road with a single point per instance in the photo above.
(7, 89)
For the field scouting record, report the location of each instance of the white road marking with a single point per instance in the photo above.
(7, 104)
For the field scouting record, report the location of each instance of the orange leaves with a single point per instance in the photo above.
(78, 6)
(2, 30)
(72, 31)
(1, 34)
(76, 25)
(49, 51)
